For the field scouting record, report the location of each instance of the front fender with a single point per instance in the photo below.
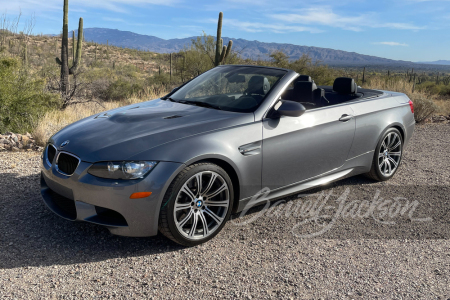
(222, 145)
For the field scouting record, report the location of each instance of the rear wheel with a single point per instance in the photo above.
(388, 156)
(197, 204)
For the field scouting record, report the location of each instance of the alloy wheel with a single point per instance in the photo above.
(390, 154)
(201, 205)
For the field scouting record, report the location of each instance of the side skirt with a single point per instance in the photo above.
(294, 188)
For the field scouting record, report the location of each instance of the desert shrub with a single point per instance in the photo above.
(444, 90)
(129, 71)
(159, 79)
(98, 88)
(429, 87)
(122, 89)
(424, 107)
(97, 64)
(23, 99)
(279, 59)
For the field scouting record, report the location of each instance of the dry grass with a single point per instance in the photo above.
(56, 120)
(394, 84)
(444, 106)
(425, 104)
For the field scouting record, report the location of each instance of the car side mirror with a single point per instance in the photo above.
(289, 108)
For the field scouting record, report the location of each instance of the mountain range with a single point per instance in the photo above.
(247, 49)
(438, 62)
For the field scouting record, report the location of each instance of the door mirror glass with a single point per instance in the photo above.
(289, 108)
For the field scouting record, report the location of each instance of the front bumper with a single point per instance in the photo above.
(83, 197)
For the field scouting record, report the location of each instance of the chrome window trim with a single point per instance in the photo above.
(46, 154)
(56, 163)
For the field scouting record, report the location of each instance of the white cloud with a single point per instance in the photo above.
(391, 44)
(321, 16)
(260, 27)
(250, 26)
(402, 26)
(326, 17)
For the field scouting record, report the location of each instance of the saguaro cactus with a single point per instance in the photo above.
(170, 67)
(25, 54)
(73, 45)
(222, 52)
(364, 75)
(64, 61)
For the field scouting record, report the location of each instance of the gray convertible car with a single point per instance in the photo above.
(183, 163)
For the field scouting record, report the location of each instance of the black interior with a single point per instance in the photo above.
(344, 89)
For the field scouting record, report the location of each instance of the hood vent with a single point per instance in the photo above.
(172, 117)
(105, 115)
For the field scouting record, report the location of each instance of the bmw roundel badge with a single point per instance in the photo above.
(64, 144)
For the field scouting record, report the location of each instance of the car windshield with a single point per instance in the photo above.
(231, 88)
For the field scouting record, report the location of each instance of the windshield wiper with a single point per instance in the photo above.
(202, 104)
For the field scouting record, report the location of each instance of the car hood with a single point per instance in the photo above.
(124, 132)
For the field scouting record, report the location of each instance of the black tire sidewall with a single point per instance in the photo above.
(377, 151)
(177, 185)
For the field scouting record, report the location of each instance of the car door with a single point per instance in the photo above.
(299, 148)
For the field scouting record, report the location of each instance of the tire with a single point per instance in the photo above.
(388, 156)
(191, 216)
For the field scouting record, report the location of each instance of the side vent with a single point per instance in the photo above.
(172, 117)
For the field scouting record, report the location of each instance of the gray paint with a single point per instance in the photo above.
(288, 154)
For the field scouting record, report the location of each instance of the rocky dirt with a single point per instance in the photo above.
(17, 142)
(386, 254)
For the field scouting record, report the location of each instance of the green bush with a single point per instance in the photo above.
(432, 88)
(159, 79)
(122, 89)
(23, 98)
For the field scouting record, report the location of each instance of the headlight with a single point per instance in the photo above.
(122, 170)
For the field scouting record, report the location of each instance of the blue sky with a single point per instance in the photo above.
(414, 30)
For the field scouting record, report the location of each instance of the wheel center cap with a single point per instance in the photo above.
(199, 203)
(386, 153)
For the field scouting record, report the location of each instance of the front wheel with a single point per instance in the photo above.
(197, 204)
(388, 156)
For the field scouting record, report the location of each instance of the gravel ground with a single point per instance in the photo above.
(44, 256)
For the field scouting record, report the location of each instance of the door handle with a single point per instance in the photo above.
(345, 118)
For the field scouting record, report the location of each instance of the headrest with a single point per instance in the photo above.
(258, 85)
(304, 78)
(304, 91)
(236, 78)
(344, 85)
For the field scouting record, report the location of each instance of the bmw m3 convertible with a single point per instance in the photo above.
(183, 163)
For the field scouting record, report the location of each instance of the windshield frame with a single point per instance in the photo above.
(202, 78)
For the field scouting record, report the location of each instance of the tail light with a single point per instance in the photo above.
(411, 104)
